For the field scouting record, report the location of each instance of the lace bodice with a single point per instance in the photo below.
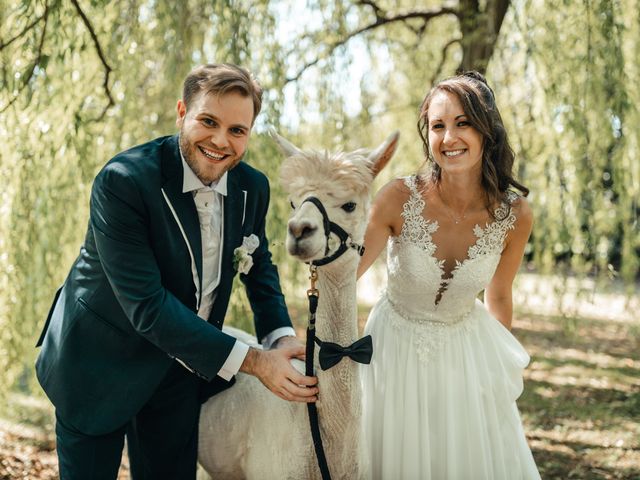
(415, 275)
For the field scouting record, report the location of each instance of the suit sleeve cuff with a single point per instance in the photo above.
(268, 340)
(234, 361)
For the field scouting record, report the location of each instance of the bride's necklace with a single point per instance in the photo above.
(455, 219)
(450, 213)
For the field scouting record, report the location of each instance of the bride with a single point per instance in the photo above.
(439, 398)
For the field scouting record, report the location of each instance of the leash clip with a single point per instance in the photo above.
(313, 276)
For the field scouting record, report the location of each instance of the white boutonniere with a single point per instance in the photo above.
(242, 259)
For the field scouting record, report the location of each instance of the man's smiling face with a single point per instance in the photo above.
(214, 132)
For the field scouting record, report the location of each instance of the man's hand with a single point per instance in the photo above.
(274, 370)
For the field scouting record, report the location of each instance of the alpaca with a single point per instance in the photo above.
(247, 431)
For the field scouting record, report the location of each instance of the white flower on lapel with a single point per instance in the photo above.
(242, 260)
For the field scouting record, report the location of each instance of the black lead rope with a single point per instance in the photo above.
(360, 351)
(312, 296)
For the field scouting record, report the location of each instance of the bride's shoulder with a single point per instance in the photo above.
(521, 208)
(393, 195)
(404, 187)
(397, 189)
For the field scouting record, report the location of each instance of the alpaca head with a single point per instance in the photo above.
(341, 182)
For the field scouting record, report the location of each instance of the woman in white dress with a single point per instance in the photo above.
(439, 398)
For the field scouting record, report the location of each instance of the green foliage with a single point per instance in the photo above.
(73, 93)
(572, 88)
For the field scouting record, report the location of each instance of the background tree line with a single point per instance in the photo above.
(81, 80)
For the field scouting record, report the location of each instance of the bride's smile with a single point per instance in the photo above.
(455, 144)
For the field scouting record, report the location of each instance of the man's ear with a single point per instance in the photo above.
(181, 111)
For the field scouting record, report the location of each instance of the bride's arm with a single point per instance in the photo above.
(384, 220)
(498, 295)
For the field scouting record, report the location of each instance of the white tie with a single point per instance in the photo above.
(208, 206)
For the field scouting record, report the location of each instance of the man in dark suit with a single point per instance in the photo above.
(133, 339)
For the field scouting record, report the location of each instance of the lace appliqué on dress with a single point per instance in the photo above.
(490, 239)
(431, 325)
(416, 229)
(428, 335)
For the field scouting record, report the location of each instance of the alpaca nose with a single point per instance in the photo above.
(301, 230)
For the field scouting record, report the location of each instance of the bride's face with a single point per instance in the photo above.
(456, 146)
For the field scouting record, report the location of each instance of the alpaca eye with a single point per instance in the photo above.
(349, 207)
(292, 205)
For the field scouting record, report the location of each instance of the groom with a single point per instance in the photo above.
(133, 340)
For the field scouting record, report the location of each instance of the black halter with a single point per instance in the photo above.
(329, 227)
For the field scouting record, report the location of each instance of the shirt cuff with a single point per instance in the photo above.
(234, 361)
(270, 339)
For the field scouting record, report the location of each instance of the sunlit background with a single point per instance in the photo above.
(82, 80)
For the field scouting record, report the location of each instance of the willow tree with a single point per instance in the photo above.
(83, 80)
(476, 26)
(571, 81)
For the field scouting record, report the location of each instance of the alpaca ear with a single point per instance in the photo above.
(288, 148)
(379, 158)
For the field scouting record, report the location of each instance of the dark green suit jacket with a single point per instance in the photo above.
(129, 303)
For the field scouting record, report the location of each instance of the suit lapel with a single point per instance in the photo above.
(182, 205)
(233, 208)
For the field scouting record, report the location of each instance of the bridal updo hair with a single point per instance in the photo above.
(479, 104)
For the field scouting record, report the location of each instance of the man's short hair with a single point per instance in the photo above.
(221, 78)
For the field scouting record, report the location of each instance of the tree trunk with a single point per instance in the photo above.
(480, 31)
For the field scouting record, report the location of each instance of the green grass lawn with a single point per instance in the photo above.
(580, 407)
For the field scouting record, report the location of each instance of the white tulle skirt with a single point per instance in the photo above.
(439, 403)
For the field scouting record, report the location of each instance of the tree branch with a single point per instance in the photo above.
(26, 29)
(443, 59)
(500, 8)
(377, 11)
(36, 61)
(107, 67)
(381, 19)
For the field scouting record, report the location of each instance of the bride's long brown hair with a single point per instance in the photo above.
(479, 105)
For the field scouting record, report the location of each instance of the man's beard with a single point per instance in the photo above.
(189, 152)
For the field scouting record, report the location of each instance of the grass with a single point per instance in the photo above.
(580, 407)
(581, 404)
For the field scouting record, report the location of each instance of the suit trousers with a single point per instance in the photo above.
(162, 438)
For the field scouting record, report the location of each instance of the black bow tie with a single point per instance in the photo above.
(331, 353)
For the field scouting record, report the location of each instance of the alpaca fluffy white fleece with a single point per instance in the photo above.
(247, 431)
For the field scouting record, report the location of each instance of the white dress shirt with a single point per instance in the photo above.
(210, 206)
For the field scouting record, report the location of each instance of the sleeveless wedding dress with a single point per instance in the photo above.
(439, 398)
